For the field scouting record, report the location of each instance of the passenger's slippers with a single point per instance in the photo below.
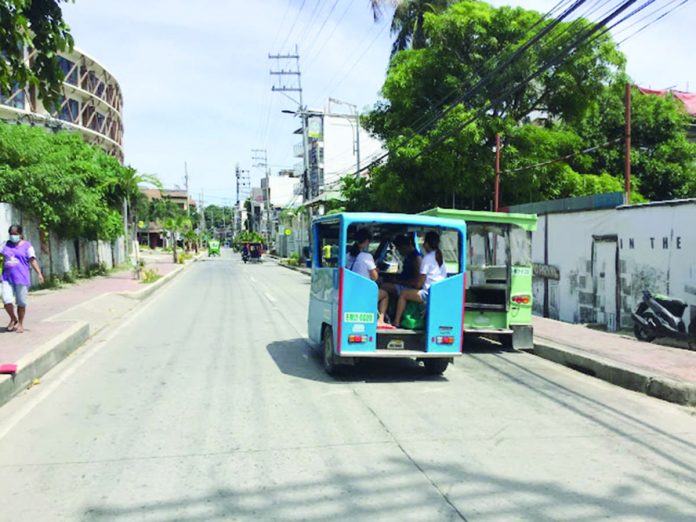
(386, 327)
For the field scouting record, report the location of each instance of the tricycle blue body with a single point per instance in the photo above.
(343, 312)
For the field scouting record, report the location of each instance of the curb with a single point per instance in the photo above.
(300, 269)
(625, 376)
(151, 288)
(41, 360)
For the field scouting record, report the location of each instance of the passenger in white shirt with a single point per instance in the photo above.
(361, 262)
(432, 270)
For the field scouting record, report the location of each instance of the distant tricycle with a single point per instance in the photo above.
(213, 248)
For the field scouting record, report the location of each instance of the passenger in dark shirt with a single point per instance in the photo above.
(410, 272)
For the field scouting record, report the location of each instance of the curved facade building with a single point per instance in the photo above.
(91, 104)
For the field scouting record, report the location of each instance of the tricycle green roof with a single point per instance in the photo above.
(526, 221)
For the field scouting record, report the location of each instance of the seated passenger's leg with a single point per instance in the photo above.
(382, 305)
(407, 294)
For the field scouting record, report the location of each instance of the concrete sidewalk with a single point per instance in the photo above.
(59, 321)
(660, 371)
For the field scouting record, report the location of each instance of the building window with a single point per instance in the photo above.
(99, 88)
(87, 114)
(69, 110)
(98, 121)
(69, 70)
(16, 99)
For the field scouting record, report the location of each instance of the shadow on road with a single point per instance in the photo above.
(296, 358)
(598, 412)
(474, 343)
(402, 493)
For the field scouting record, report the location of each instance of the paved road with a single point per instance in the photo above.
(208, 405)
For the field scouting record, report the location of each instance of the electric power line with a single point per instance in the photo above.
(311, 58)
(297, 17)
(661, 17)
(309, 47)
(562, 158)
(334, 85)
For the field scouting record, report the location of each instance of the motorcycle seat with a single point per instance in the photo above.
(674, 305)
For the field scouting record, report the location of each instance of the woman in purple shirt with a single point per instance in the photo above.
(18, 255)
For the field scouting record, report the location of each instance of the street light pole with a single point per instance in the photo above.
(357, 129)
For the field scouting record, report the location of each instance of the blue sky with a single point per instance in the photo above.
(196, 83)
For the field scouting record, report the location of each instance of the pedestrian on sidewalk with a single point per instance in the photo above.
(18, 255)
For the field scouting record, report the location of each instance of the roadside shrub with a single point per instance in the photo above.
(293, 260)
(97, 269)
(71, 276)
(150, 275)
(50, 283)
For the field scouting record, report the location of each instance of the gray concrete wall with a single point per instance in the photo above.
(58, 256)
(606, 258)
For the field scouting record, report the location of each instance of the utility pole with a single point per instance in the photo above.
(496, 199)
(627, 158)
(186, 183)
(201, 203)
(243, 183)
(284, 88)
(356, 146)
(260, 159)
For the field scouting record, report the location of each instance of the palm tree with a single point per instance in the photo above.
(179, 223)
(129, 185)
(407, 22)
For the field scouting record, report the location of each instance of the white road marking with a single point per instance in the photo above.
(253, 279)
(270, 297)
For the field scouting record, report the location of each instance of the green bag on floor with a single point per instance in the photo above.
(414, 316)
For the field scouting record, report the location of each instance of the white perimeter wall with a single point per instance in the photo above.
(656, 248)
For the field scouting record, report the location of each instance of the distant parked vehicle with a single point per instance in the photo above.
(499, 274)
(661, 316)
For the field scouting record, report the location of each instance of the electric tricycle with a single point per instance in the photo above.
(344, 319)
(499, 274)
(213, 248)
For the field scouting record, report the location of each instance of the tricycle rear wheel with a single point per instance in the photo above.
(330, 366)
(435, 366)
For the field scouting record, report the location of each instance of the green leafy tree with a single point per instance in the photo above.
(37, 25)
(218, 217)
(68, 185)
(441, 144)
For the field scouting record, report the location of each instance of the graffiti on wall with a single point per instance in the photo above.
(605, 259)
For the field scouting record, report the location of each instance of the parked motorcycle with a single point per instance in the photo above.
(661, 316)
(245, 257)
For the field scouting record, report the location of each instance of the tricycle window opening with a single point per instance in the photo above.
(327, 240)
(520, 246)
(386, 255)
